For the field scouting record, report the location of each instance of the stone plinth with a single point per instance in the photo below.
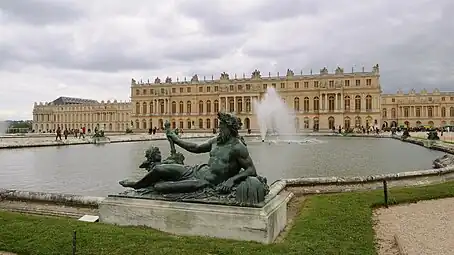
(232, 222)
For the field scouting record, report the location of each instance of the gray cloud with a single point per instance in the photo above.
(92, 50)
(39, 12)
(221, 18)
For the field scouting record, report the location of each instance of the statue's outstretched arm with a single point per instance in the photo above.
(194, 147)
(144, 164)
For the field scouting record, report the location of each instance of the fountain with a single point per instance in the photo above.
(276, 119)
(3, 127)
(274, 116)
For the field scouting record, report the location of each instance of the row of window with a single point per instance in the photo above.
(122, 106)
(406, 112)
(430, 99)
(206, 107)
(419, 123)
(82, 117)
(331, 103)
(248, 87)
(213, 123)
(106, 127)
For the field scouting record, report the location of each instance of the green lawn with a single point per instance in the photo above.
(327, 224)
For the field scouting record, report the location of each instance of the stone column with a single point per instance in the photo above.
(234, 104)
(335, 103)
(363, 103)
(326, 102)
(243, 98)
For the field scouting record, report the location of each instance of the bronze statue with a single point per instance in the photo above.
(230, 171)
(153, 157)
(433, 135)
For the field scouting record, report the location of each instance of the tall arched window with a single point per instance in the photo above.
(331, 102)
(316, 104)
(137, 108)
(368, 103)
(161, 105)
(201, 107)
(174, 107)
(306, 123)
(231, 105)
(248, 105)
(331, 123)
(358, 103)
(347, 123)
(316, 124)
(144, 107)
(188, 107)
(296, 104)
(357, 121)
(151, 107)
(306, 104)
(239, 105)
(181, 110)
(430, 111)
(418, 111)
(347, 103)
(208, 106)
(216, 106)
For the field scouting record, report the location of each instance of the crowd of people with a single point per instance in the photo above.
(77, 133)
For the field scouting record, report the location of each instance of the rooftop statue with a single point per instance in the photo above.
(224, 76)
(229, 176)
(256, 74)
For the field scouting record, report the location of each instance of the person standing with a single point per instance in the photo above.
(82, 133)
(58, 133)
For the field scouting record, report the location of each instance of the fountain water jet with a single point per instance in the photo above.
(275, 116)
(3, 127)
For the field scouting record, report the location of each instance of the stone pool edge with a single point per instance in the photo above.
(144, 137)
(84, 142)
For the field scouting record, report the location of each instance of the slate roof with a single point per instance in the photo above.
(73, 100)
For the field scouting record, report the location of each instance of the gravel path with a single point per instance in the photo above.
(424, 228)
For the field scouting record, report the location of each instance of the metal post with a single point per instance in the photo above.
(74, 243)
(385, 192)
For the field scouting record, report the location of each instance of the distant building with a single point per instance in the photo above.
(75, 113)
(429, 109)
(323, 100)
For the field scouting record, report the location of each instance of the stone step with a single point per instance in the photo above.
(42, 212)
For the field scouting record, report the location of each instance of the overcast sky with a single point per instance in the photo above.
(92, 49)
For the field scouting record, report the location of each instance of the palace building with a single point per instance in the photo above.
(75, 113)
(434, 109)
(320, 101)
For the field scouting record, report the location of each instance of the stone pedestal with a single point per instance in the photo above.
(232, 222)
(429, 143)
